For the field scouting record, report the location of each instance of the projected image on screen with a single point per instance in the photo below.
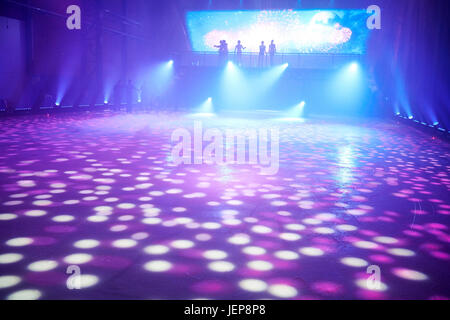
(294, 31)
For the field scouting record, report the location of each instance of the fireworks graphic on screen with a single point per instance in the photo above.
(311, 31)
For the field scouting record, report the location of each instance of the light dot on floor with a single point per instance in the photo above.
(409, 274)
(215, 254)
(158, 266)
(124, 243)
(118, 228)
(78, 258)
(9, 281)
(42, 266)
(35, 213)
(182, 244)
(221, 266)
(261, 229)
(211, 225)
(63, 218)
(183, 220)
(295, 227)
(290, 236)
(27, 294)
(7, 216)
(239, 239)
(42, 203)
(282, 291)
(140, 236)
(254, 251)
(156, 249)
(253, 285)
(86, 244)
(401, 252)
(385, 240)
(310, 251)
(364, 284)
(126, 206)
(58, 185)
(324, 230)
(312, 221)
(26, 183)
(151, 221)
(19, 242)
(203, 237)
(260, 265)
(346, 227)
(88, 280)
(354, 262)
(10, 258)
(71, 202)
(97, 218)
(365, 244)
(286, 255)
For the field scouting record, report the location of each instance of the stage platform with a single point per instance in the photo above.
(304, 61)
(98, 192)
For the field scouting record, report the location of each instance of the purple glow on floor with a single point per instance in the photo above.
(100, 192)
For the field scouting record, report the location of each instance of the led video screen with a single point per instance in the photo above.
(293, 31)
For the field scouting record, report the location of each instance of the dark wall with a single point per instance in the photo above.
(12, 57)
(78, 65)
(410, 59)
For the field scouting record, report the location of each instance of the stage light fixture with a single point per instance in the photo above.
(296, 112)
(206, 107)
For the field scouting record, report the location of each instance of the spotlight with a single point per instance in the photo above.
(296, 112)
(300, 109)
(170, 62)
(436, 123)
(57, 104)
(206, 108)
(354, 66)
(410, 117)
(105, 101)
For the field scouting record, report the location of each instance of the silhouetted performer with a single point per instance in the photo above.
(130, 95)
(238, 51)
(262, 53)
(272, 51)
(223, 52)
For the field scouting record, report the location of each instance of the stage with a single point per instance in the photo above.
(99, 193)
